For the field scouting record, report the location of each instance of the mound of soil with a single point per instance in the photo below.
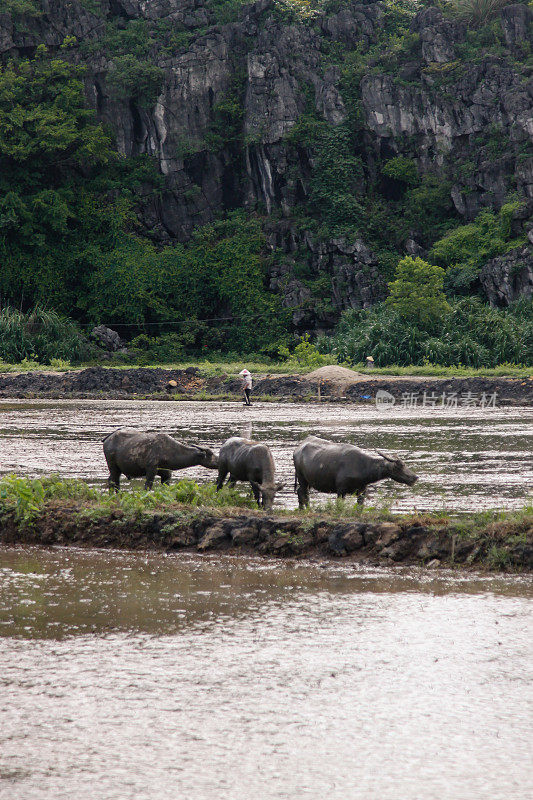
(335, 374)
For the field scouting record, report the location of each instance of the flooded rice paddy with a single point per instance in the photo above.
(467, 459)
(158, 677)
(154, 677)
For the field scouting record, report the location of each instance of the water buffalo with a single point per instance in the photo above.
(342, 469)
(249, 461)
(135, 453)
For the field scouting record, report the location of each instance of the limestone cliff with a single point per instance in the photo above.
(232, 86)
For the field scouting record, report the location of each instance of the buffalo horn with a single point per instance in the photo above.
(388, 458)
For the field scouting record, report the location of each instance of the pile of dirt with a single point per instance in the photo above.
(334, 374)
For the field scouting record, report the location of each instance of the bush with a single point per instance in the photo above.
(471, 333)
(40, 335)
(131, 78)
(164, 349)
(306, 354)
(401, 169)
(417, 294)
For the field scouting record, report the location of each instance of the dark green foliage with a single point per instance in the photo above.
(211, 291)
(51, 218)
(429, 208)
(18, 7)
(337, 178)
(226, 129)
(464, 250)
(226, 10)
(40, 334)
(470, 333)
(164, 349)
(417, 293)
(139, 80)
(401, 169)
(43, 117)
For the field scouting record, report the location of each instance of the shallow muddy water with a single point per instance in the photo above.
(219, 678)
(467, 459)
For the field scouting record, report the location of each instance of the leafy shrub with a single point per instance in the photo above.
(164, 349)
(40, 335)
(140, 80)
(60, 363)
(401, 169)
(27, 7)
(305, 354)
(417, 292)
(470, 333)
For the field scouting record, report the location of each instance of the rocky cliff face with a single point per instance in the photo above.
(466, 120)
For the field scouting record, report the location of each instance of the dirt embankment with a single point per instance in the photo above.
(423, 541)
(159, 383)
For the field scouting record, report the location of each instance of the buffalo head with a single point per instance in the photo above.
(268, 493)
(397, 470)
(208, 458)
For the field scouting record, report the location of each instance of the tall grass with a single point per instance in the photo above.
(471, 334)
(29, 496)
(40, 335)
(477, 11)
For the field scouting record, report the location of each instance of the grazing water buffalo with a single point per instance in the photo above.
(249, 461)
(135, 453)
(342, 469)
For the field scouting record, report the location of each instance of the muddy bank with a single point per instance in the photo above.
(159, 383)
(433, 542)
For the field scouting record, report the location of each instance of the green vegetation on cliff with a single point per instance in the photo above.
(81, 228)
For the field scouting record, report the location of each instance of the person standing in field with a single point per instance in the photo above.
(246, 386)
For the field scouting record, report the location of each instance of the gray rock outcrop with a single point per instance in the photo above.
(508, 278)
(468, 122)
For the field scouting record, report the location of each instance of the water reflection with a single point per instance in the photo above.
(68, 591)
(218, 678)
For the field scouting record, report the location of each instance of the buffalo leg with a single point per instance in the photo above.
(151, 472)
(165, 475)
(222, 472)
(114, 479)
(257, 494)
(231, 481)
(361, 497)
(302, 492)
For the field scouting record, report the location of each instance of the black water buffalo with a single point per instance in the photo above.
(134, 453)
(342, 469)
(249, 461)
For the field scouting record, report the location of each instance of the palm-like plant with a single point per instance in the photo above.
(477, 11)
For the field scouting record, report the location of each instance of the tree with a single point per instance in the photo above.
(417, 292)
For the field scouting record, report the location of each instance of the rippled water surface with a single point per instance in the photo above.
(466, 458)
(218, 678)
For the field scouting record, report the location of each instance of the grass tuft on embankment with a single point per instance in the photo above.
(52, 511)
(27, 497)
